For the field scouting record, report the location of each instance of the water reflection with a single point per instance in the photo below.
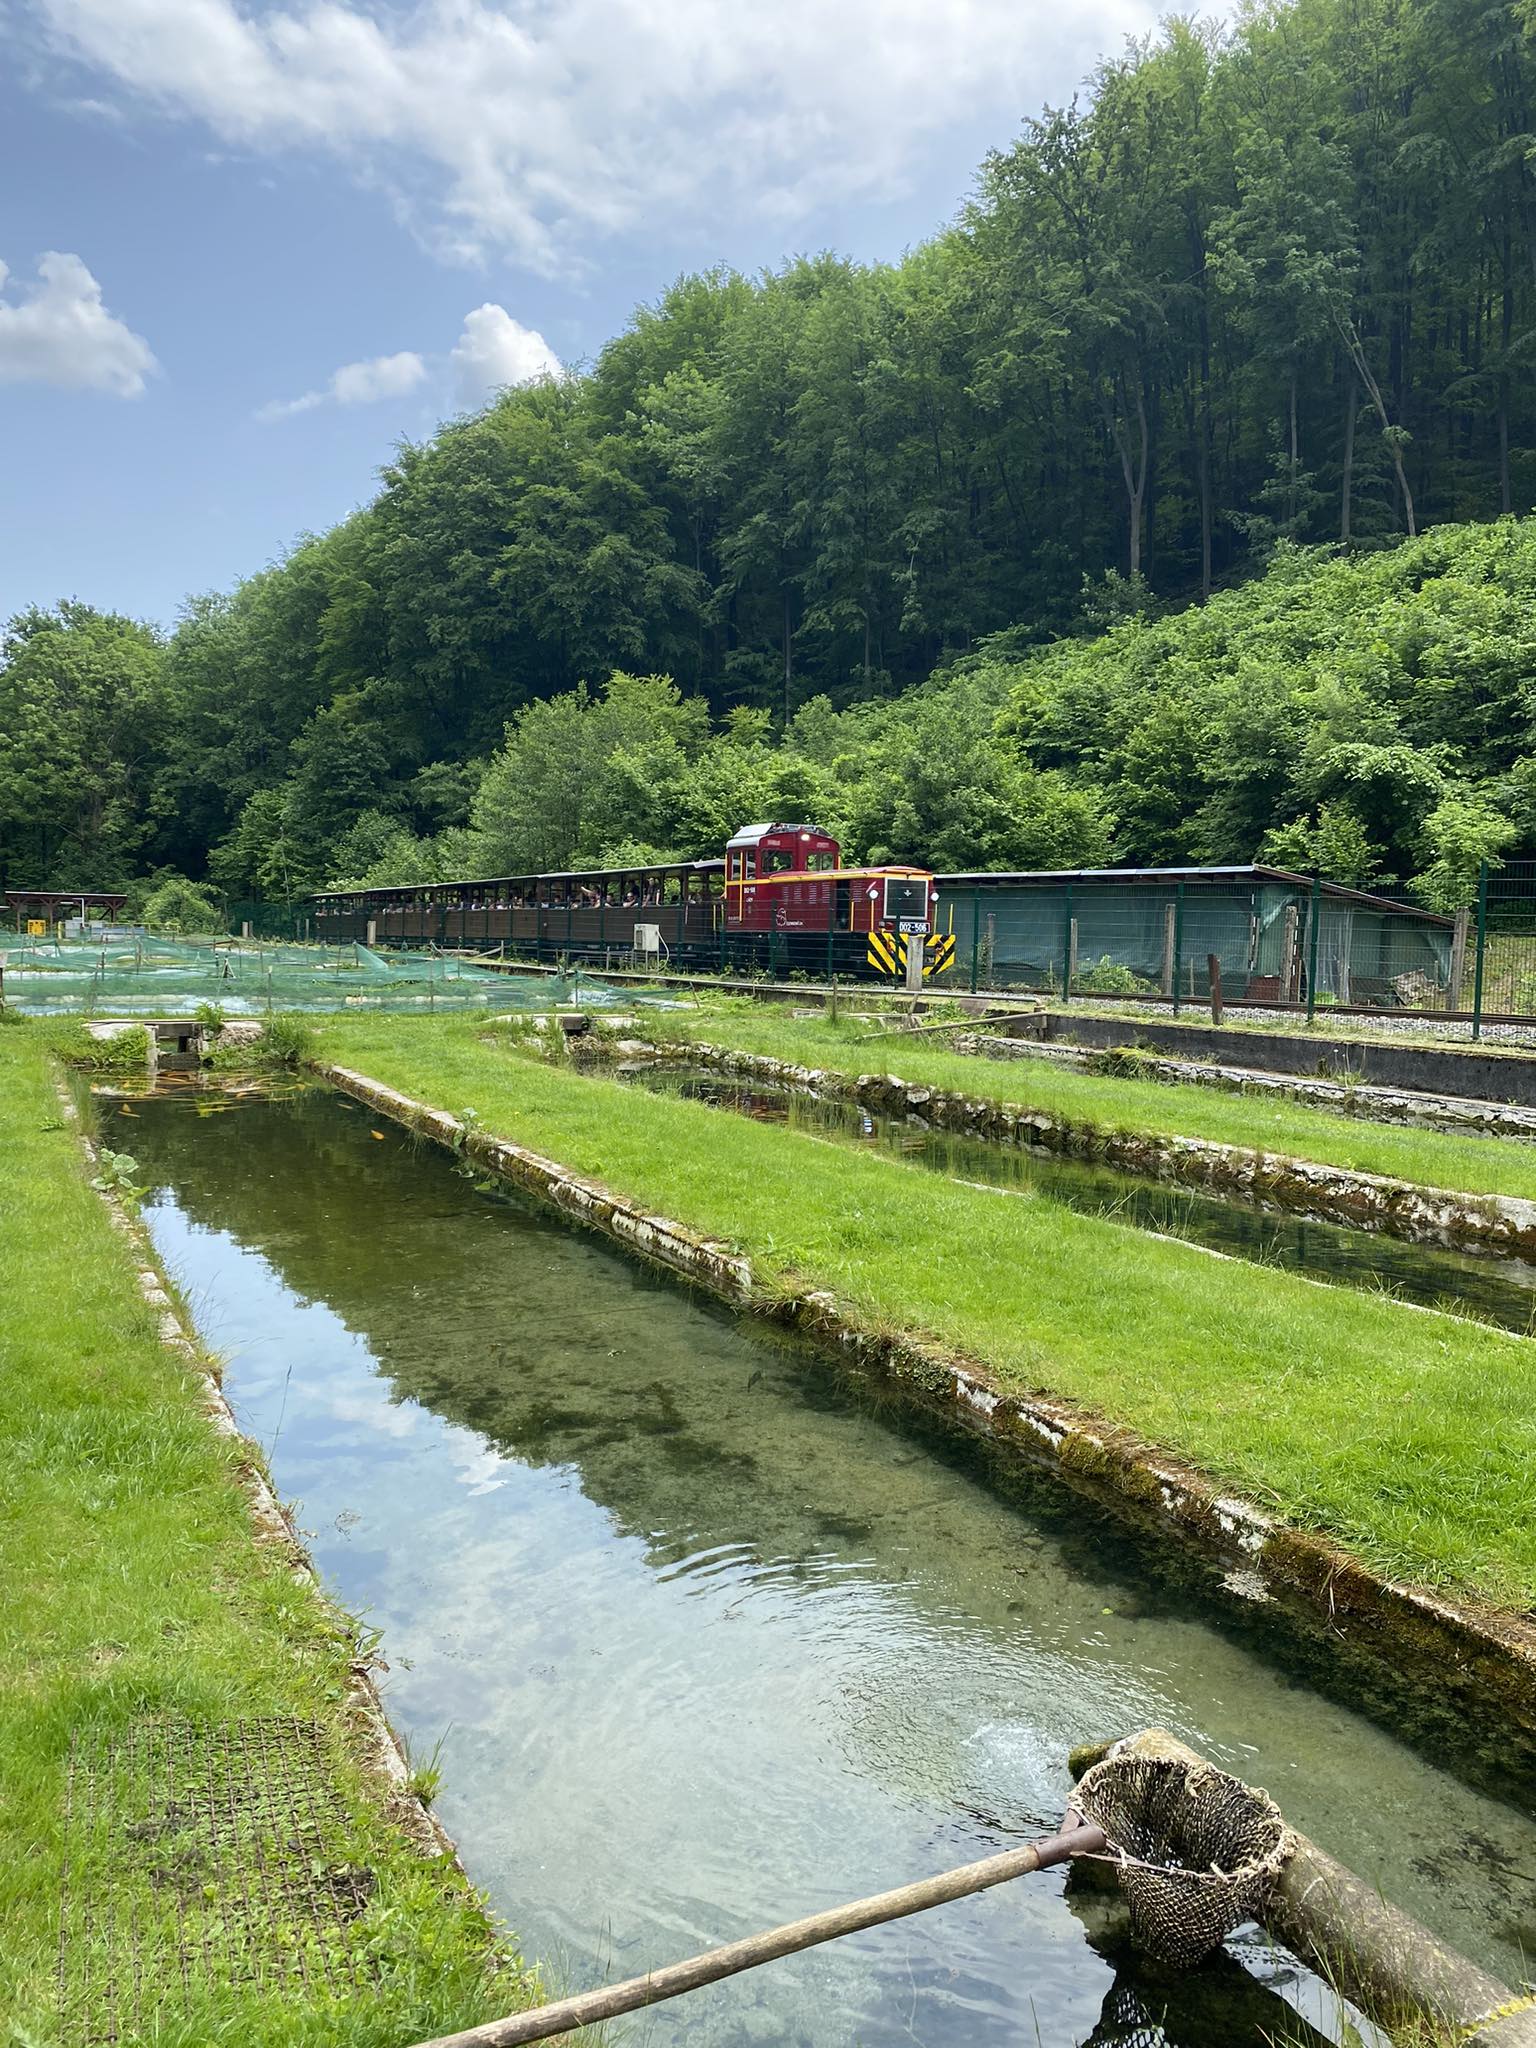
(707, 1644)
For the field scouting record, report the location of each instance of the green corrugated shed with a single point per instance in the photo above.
(1154, 925)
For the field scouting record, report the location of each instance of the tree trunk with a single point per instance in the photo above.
(1357, 354)
(1346, 490)
(1133, 464)
(1290, 496)
(788, 657)
(1507, 322)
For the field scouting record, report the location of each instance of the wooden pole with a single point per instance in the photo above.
(1458, 958)
(1166, 980)
(1290, 955)
(1213, 969)
(590, 2007)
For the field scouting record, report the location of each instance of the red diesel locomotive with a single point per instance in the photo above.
(779, 901)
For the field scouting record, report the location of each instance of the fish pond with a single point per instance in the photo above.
(701, 1637)
(1494, 1290)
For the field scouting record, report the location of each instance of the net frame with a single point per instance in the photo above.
(1195, 1851)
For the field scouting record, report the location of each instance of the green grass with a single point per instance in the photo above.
(1472, 1165)
(1410, 1436)
(130, 1586)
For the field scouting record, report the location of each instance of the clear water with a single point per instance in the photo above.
(706, 1641)
(1501, 1291)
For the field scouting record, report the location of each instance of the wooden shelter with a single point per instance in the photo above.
(53, 906)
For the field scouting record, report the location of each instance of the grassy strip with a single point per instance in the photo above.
(131, 1586)
(1473, 1165)
(1412, 1437)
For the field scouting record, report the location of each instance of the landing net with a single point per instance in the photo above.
(1196, 1851)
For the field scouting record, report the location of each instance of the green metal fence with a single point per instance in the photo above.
(1250, 936)
(1254, 937)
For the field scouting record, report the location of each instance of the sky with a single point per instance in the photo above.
(246, 249)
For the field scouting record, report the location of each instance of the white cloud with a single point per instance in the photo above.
(382, 377)
(59, 332)
(492, 351)
(356, 384)
(495, 350)
(506, 125)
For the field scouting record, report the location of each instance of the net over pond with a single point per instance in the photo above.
(138, 975)
(707, 1641)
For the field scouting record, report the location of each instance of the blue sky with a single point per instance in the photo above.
(249, 248)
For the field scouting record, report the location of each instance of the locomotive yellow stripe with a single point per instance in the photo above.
(881, 954)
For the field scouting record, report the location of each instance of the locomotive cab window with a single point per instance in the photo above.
(774, 862)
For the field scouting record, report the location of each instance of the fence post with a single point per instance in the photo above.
(1458, 972)
(1178, 941)
(975, 938)
(1289, 950)
(1167, 976)
(1068, 947)
(1314, 933)
(1482, 947)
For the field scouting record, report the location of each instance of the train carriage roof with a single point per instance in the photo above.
(654, 867)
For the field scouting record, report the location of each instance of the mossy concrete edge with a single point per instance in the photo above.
(1483, 1653)
(1369, 1102)
(1499, 1226)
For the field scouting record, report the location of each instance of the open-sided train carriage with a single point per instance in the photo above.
(778, 902)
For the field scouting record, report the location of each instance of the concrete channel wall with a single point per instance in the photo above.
(1469, 1658)
(1371, 1102)
(1489, 1076)
(1498, 1225)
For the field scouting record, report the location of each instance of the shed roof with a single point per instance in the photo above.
(66, 896)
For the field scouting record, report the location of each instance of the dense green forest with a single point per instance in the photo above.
(1154, 510)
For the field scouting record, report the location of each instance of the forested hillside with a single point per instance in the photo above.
(1084, 533)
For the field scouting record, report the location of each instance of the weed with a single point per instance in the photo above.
(1107, 977)
(285, 1041)
(126, 1052)
(118, 1173)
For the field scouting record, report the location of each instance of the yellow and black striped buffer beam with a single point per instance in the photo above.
(887, 953)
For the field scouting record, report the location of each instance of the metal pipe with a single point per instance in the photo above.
(590, 2007)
